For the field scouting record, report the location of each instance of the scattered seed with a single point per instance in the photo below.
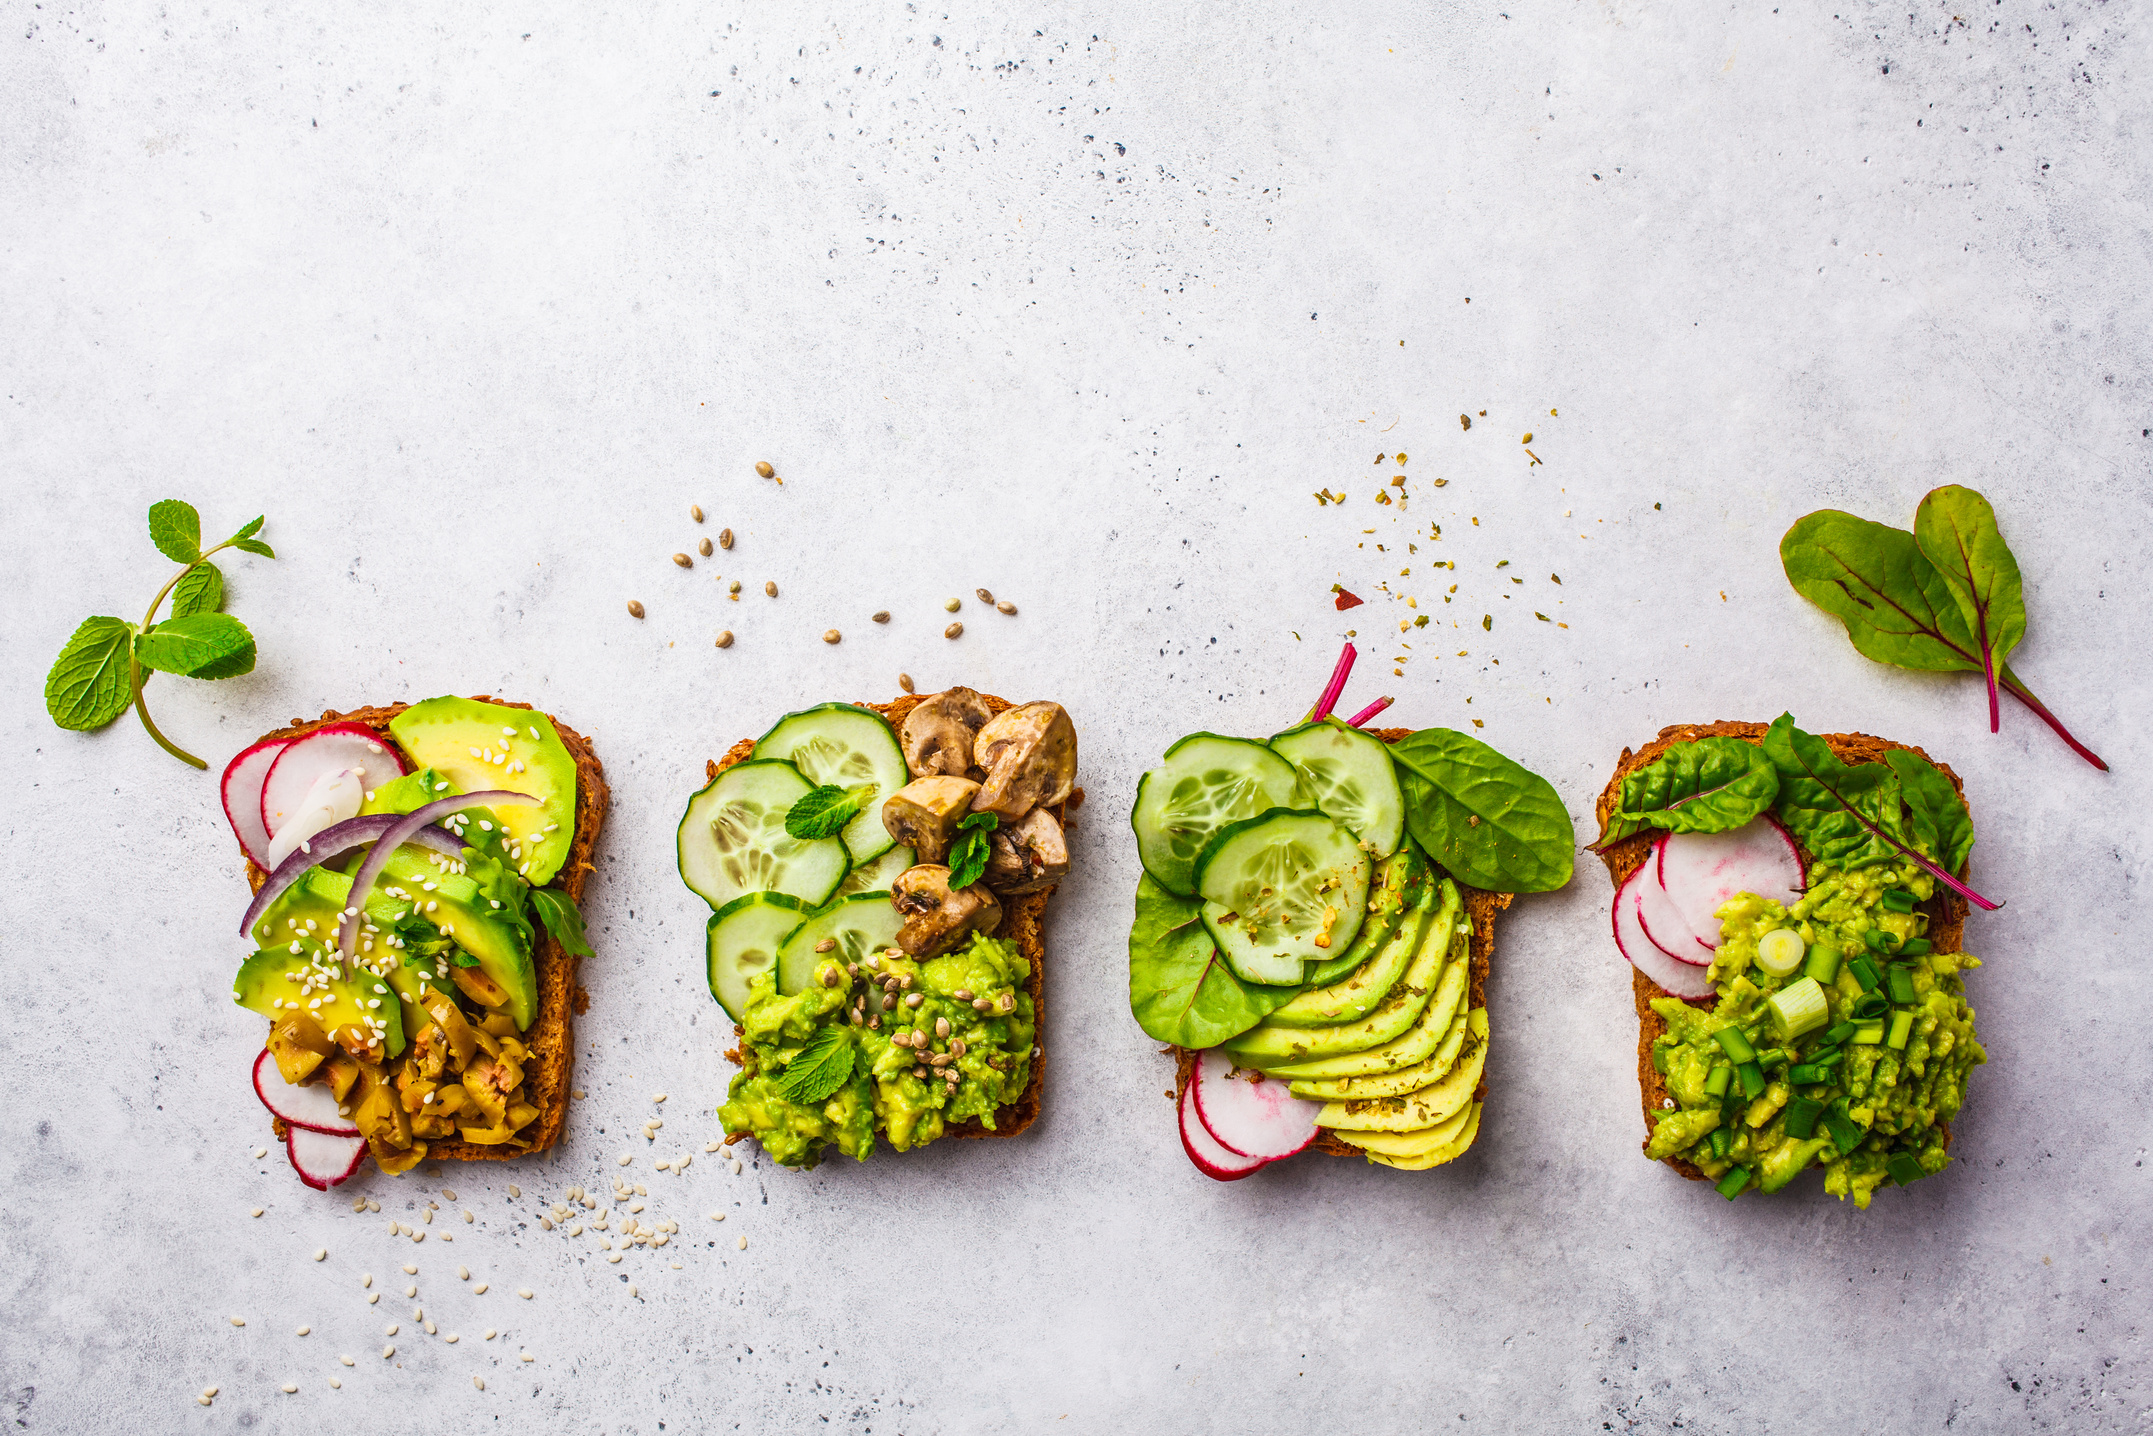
(904, 681)
(304, 1330)
(204, 1399)
(479, 1290)
(387, 1352)
(336, 1383)
(576, 1093)
(239, 1321)
(256, 1212)
(525, 1292)
(626, 1159)
(209, 1391)
(410, 1270)
(469, 1218)
(479, 1382)
(288, 1388)
(463, 1273)
(742, 1244)
(695, 511)
(260, 1152)
(373, 1297)
(882, 615)
(941, 1027)
(683, 560)
(527, 1357)
(1005, 606)
(717, 1216)
(733, 588)
(984, 596)
(725, 538)
(347, 1361)
(635, 609)
(831, 635)
(762, 467)
(952, 605)
(725, 640)
(914, 999)
(703, 548)
(366, 1281)
(321, 1253)
(770, 588)
(955, 630)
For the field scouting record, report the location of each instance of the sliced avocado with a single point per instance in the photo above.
(1398, 1081)
(1383, 959)
(1423, 1108)
(1422, 1043)
(457, 905)
(479, 746)
(270, 982)
(1449, 1152)
(1413, 1144)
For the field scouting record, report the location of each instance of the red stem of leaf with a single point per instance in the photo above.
(1988, 672)
(2019, 691)
(1369, 712)
(1336, 686)
(1935, 870)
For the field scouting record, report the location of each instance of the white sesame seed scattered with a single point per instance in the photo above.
(347, 1361)
(336, 1383)
(209, 1391)
(260, 1152)
(450, 1338)
(411, 1291)
(429, 1328)
(614, 1258)
(717, 1216)
(410, 1269)
(387, 1352)
(514, 1190)
(525, 1292)
(657, 1096)
(321, 1254)
(288, 1388)
(526, 1356)
(463, 1273)
(389, 1330)
(479, 1382)
(239, 1321)
(479, 1290)
(304, 1330)
(712, 1146)
(202, 1400)
(469, 1218)
(743, 1244)
(626, 1159)
(255, 1213)
(490, 1333)
(373, 1297)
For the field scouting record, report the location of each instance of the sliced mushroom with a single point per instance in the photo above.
(1030, 754)
(924, 813)
(1027, 855)
(937, 735)
(937, 919)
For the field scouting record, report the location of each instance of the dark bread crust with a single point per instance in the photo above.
(1481, 906)
(1022, 919)
(1947, 911)
(551, 1036)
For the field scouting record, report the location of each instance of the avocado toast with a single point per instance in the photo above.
(441, 1024)
(878, 874)
(1809, 892)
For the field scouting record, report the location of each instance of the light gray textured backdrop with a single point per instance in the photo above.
(1081, 306)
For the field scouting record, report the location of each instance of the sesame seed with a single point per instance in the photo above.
(743, 1244)
(526, 1356)
(347, 1361)
(626, 1159)
(304, 1330)
(463, 1273)
(525, 1292)
(490, 1333)
(372, 1298)
(479, 1382)
(387, 1352)
(450, 1338)
(288, 1388)
(366, 1280)
(336, 1383)
(209, 1391)
(469, 1218)
(239, 1321)
(203, 1399)
(255, 1213)
(514, 1190)
(321, 1254)
(260, 1152)
(389, 1330)
(410, 1270)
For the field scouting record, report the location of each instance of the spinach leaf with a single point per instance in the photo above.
(1956, 530)
(1710, 786)
(558, 912)
(90, 683)
(1490, 822)
(200, 645)
(1180, 989)
(1936, 815)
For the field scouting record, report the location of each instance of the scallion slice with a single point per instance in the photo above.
(1720, 1143)
(1823, 963)
(1905, 1168)
(1902, 1024)
(1802, 1114)
(1870, 1007)
(1846, 1134)
(1838, 1034)
(1752, 1080)
(1797, 1008)
(1735, 1044)
(1916, 947)
(1880, 942)
(1869, 1034)
(1731, 1185)
(1717, 1080)
(1781, 951)
(1899, 982)
(1807, 1073)
(1866, 973)
(1775, 1059)
(1897, 900)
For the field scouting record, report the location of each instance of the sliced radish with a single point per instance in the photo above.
(312, 1106)
(1663, 922)
(1699, 871)
(1212, 1159)
(1262, 1119)
(334, 798)
(311, 756)
(1677, 979)
(242, 793)
(321, 1160)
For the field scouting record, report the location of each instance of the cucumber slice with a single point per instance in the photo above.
(846, 745)
(1204, 783)
(1349, 774)
(1282, 889)
(732, 840)
(858, 925)
(743, 938)
(878, 875)
(1398, 879)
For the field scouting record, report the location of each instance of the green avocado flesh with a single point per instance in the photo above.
(482, 746)
(298, 966)
(1404, 883)
(1879, 1107)
(881, 1091)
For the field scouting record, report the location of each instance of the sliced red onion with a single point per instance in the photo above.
(1369, 712)
(1337, 685)
(335, 842)
(411, 823)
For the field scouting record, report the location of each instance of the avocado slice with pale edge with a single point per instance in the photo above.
(1449, 1152)
(1425, 1108)
(442, 732)
(1422, 1040)
(273, 975)
(1413, 1144)
(1404, 1079)
(1404, 879)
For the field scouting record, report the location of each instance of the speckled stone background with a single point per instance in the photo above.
(1081, 306)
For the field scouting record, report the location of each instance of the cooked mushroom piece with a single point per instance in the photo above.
(937, 919)
(1030, 754)
(924, 813)
(937, 735)
(1027, 855)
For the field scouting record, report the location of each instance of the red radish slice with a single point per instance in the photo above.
(1260, 1119)
(321, 1160)
(1699, 871)
(1664, 925)
(1213, 1160)
(1677, 979)
(242, 793)
(334, 798)
(312, 756)
(312, 1106)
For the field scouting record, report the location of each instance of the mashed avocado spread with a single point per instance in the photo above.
(888, 1045)
(1862, 1087)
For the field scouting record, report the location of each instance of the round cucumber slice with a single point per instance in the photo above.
(1284, 888)
(1204, 783)
(733, 841)
(858, 925)
(743, 939)
(846, 745)
(878, 874)
(1349, 774)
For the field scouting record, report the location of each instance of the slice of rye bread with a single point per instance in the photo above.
(551, 1036)
(1481, 906)
(1022, 919)
(1947, 910)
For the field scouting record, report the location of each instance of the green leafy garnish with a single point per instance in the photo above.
(1712, 785)
(824, 812)
(1491, 822)
(558, 912)
(818, 1069)
(968, 855)
(103, 667)
(1179, 987)
(461, 958)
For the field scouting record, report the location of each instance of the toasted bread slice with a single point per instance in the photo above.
(1947, 910)
(1481, 906)
(551, 1036)
(1022, 919)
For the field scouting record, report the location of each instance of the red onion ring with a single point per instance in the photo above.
(362, 883)
(335, 841)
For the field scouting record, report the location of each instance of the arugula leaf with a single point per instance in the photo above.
(1956, 530)
(968, 855)
(1936, 814)
(823, 812)
(1491, 822)
(817, 1069)
(200, 645)
(558, 912)
(89, 684)
(199, 590)
(176, 529)
(1180, 989)
(1712, 785)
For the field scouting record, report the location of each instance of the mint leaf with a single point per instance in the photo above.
(987, 821)
(254, 545)
(461, 958)
(89, 684)
(968, 858)
(824, 812)
(201, 645)
(247, 530)
(199, 590)
(558, 912)
(176, 529)
(818, 1069)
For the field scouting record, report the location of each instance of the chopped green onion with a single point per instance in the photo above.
(1752, 1080)
(1869, 1034)
(1902, 1023)
(1866, 973)
(1846, 1136)
(1659, 1059)
(1802, 1113)
(1838, 1034)
(1898, 900)
(1717, 1080)
(1880, 942)
(1797, 1008)
(1823, 964)
(1720, 1143)
(1780, 951)
(1775, 1059)
(1735, 1044)
(1916, 947)
(1899, 982)
(1731, 1185)
(1905, 1168)
(1870, 1007)
(1807, 1073)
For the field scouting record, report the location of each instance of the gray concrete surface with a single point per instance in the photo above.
(1079, 305)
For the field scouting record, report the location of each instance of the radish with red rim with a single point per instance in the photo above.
(322, 1160)
(1260, 1119)
(310, 1105)
(334, 798)
(241, 791)
(1663, 922)
(1679, 979)
(1209, 1155)
(307, 759)
(1701, 871)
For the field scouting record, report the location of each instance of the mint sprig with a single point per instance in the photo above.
(968, 855)
(103, 666)
(824, 812)
(818, 1069)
